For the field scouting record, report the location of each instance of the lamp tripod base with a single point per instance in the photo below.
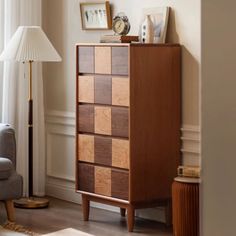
(32, 203)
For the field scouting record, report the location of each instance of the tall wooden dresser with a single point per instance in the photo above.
(128, 124)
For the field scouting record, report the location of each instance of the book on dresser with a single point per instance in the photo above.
(128, 117)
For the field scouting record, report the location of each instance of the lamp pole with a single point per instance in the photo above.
(31, 202)
(30, 133)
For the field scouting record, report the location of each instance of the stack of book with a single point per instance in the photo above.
(189, 171)
(119, 39)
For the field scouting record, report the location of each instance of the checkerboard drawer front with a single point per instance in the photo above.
(86, 59)
(104, 120)
(110, 152)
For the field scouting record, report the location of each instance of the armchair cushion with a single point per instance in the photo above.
(6, 168)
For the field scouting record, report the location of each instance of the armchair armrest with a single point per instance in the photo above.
(8, 143)
(5, 168)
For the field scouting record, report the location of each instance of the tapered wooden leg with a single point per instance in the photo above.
(10, 210)
(86, 207)
(168, 213)
(122, 211)
(130, 218)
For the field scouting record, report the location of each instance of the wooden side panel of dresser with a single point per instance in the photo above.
(102, 125)
(155, 118)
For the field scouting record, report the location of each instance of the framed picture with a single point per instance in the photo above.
(95, 16)
(159, 17)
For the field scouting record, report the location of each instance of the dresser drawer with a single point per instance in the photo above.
(104, 151)
(104, 181)
(105, 120)
(104, 60)
(102, 89)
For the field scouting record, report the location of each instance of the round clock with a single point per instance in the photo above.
(121, 24)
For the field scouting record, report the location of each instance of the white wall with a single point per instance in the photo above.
(62, 23)
(63, 26)
(218, 118)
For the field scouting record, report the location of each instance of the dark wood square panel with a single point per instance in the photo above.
(86, 177)
(103, 89)
(120, 61)
(86, 118)
(119, 184)
(86, 59)
(103, 150)
(120, 121)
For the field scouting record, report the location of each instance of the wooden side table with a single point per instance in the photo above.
(185, 201)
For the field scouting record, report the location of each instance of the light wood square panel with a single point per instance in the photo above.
(120, 91)
(103, 180)
(86, 89)
(103, 120)
(86, 148)
(120, 153)
(103, 60)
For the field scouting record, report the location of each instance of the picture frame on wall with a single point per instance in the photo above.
(95, 15)
(159, 17)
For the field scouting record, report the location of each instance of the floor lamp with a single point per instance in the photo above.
(30, 44)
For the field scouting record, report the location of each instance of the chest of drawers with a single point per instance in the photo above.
(128, 124)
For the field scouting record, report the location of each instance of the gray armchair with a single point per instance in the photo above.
(11, 184)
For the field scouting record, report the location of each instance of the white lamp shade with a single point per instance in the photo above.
(29, 43)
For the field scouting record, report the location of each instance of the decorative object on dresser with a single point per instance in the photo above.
(147, 30)
(128, 125)
(120, 24)
(159, 18)
(30, 44)
(95, 16)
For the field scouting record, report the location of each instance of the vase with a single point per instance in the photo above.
(147, 30)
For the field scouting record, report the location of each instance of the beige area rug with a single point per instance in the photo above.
(68, 232)
(6, 232)
(12, 229)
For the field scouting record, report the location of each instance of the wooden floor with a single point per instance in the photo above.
(62, 215)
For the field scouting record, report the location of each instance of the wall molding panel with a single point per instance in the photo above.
(191, 153)
(60, 149)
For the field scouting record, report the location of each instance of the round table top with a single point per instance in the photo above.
(188, 180)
